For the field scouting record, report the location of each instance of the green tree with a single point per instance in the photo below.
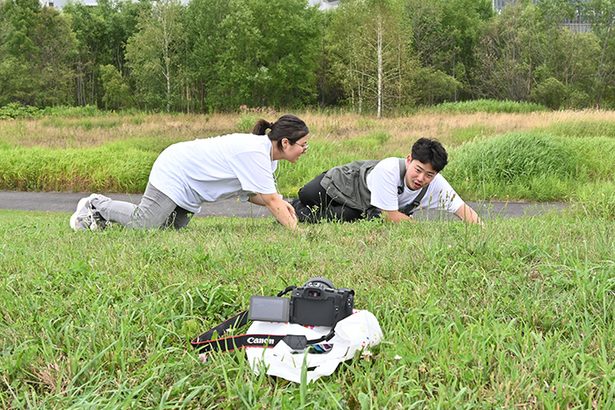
(57, 51)
(257, 53)
(445, 33)
(155, 55)
(102, 32)
(116, 91)
(511, 50)
(19, 52)
(601, 15)
(36, 54)
(369, 46)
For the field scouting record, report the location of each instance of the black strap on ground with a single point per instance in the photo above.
(227, 344)
(206, 343)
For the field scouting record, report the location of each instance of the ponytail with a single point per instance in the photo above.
(261, 126)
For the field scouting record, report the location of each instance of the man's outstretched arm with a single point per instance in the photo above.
(467, 214)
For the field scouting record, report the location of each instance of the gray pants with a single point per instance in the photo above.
(156, 210)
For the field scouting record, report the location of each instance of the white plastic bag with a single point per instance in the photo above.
(358, 331)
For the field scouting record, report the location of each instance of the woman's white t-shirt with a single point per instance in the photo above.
(383, 181)
(205, 170)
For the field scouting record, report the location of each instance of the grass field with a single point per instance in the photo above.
(516, 314)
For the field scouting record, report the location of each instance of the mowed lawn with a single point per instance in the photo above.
(518, 313)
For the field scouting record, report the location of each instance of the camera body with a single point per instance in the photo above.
(317, 303)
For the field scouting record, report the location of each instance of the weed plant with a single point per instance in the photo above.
(518, 313)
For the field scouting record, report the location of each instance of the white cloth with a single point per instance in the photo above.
(205, 170)
(383, 181)
(358, 331)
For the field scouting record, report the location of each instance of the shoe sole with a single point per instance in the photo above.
(83, 202)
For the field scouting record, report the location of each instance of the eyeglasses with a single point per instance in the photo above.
(303, 146)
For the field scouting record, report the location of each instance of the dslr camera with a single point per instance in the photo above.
(317, 303)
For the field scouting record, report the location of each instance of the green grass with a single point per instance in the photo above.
(519, 313)
(488, 106)
(536, 166)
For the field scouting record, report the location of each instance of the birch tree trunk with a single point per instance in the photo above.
(379, 48)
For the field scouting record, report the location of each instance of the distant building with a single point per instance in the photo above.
(578, 24)
(324, 4)
(61, 3)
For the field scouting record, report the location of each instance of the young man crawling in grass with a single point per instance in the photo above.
(393, 188)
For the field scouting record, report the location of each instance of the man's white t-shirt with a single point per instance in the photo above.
(205, 170)
(383, 181)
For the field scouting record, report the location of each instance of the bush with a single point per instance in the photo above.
(117, 93)
(17, 110)
(551, 93)
(436, 86)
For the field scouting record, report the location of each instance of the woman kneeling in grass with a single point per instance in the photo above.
(189, 173)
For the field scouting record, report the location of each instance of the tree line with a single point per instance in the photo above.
(373, 56)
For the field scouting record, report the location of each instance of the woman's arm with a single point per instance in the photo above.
(279, 208)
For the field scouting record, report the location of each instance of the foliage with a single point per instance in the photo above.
(435, 86)
(116, 91)
(445, 34)
(551, 93)
(257, 53)
(385, 56)
(155, 54)
(16, 110)
(370, 53)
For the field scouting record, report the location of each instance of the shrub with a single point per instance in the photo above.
(551, 93)
(436, 86)
(117, 93)
(17, 110)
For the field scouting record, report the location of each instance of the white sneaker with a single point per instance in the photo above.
(85, 217)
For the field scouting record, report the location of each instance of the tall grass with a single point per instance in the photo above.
(519, 313)
(489, 106)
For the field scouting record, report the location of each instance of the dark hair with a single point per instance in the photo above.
(430, 151)
(287, 126)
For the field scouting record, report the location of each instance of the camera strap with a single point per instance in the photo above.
(206, 343)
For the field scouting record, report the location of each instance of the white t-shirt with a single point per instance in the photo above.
(383, 181)
(205, 170)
